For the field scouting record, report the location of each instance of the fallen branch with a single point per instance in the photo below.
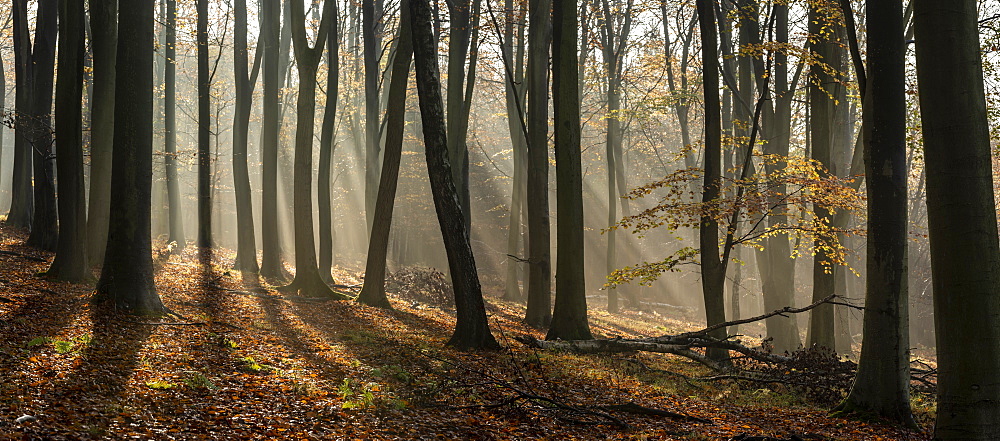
(781, 312)
(643, 410)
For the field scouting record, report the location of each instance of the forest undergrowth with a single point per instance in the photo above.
(241, 362)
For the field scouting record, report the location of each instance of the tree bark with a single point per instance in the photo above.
(271, 266)
(21, 203)
(372, 46)
(514, 99)
(70, 263)
(373, 291)
(104, 36)
(961, 216)
(569, 317)
(44, 230)
(246, 246)
(713, 269)
(127, 274)
(308, 281)
(204, 130)
(471, 329)
(327, 148)
(539, 311)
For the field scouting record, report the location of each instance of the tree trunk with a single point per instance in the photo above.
(246, 246)
(373, 291)
(327, 148)
(372, 46)
(204, 130)
(21, 203)
(308, 281)
(44, 231)
(471, 329)
(104, 37)
(882, 384)
(713, 269)
(514, 94)
(70, 263)
(127, 274)
(539, 311)
(826, 93)
(569, 318)
(271, 267)
(965, 255)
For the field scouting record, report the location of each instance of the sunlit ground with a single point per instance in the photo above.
(237, 363)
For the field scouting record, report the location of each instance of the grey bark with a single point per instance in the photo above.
(246, 246)
(204, 130)
(44, 230)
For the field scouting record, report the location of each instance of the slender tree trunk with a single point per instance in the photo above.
(127, 274)
(513, 94)
(104, 37)
(961, 216)
(327, 148)
(246, 246)
(307, 278)
(271, 267)
(372, 46)
(70, 262)
(21, 203)
(539, 311)
(825, 93)
(713, 269)
(462, 28)
(569, 317)
(472, 330)
(373, 291)
(44, 231)
(204, 130)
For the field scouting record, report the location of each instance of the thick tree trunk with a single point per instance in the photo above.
(246, 246)
(127, 275)
(104, 36)
(70, 262)
(373, 291)
(271, 267)
(569, 317)
(327, 148)
(204, 130)
(539, 311)
(965, 255)
(713, 269)
(882, 385)
(472, 330)
(44, 231)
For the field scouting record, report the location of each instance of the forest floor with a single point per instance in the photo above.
(243, 364)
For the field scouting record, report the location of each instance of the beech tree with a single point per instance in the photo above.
(204, 130)
(104, 38)
(961, 217)
(127, 275)
(472, 330)
(44, 231)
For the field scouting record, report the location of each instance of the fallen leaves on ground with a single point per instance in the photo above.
(243, 363)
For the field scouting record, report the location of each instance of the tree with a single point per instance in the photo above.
(569, 318)
(472, 330)
(44, 231)
(70, 262)
(373, 291)
(246, 247)
(826, 94)
(327, 147)
(127, 275)
(514, 100)
(882, 384)
(464, 30)
(204, 130)
(961, 217)
(713, 269)
(539, 311)
(104, 37)
(270, 264)
(307, 278)
(176, 224)
(21, 203)
(371, 11)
